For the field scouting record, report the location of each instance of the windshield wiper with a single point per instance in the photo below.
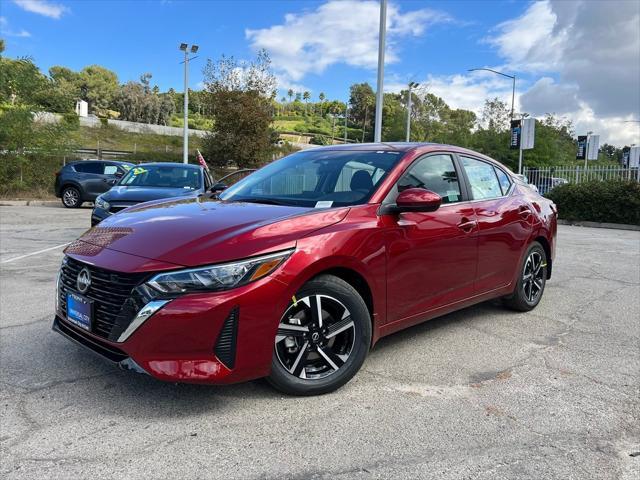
(266, 201)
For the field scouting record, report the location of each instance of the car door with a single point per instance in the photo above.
(111, 174)
(90, 178)
(431, 257)
(504, 223)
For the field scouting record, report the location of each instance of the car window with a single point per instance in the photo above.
(345, 182)
(503, 178)
(110, 169)
(436, 173)
(482, 179)
(89, 167)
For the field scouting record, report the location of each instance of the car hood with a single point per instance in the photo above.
(199, 231)
(144, 194)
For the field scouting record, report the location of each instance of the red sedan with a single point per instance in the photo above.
(295, 272)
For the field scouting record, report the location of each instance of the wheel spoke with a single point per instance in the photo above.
(331, 358)
(316, 310)
(339, 327)
(298, 365)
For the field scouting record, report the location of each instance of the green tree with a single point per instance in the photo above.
(99, 87)
(240, 96)
(306, 96)
(362, 100)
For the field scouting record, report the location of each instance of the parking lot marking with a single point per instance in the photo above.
(34, 253)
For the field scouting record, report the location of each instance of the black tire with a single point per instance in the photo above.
(71, 197)
(335, 350)
(532, 278)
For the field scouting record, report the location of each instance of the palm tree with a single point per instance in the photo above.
(321, 97)
(282, 102)
(306, 95)
(290, 93)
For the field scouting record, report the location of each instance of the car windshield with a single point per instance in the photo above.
(322, 178)
(167, 176)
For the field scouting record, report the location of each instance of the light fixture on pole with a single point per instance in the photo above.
(377, 133)
(411, 85)
(512, 77)
(185, 141)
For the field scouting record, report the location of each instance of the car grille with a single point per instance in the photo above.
(111, 292)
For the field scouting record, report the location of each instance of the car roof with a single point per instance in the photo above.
(168, 164)
(422, 147)
(96, 160)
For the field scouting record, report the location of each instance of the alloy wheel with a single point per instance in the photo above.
(315, 337)
(70, 197)
(533, 277)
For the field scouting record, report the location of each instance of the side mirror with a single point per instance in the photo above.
(415, 200)
(218, 187)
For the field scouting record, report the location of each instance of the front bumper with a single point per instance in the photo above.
(213, 338)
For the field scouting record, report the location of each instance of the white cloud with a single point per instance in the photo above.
(42, 7)
(6, 31)
(583, 56)
(337, 32)
(594, 50)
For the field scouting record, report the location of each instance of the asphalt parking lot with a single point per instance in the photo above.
(482, 393)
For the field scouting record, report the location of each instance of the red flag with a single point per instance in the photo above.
(201, 160)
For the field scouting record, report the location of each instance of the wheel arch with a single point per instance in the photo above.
(547, 250)
(71, 183)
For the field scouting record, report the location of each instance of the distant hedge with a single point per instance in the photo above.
(612, 201)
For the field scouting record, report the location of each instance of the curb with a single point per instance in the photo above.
(30, 203)
(614, 226)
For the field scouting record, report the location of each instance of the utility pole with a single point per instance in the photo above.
(377, 136)
(185, 131)
(346, 117)
(411, 85)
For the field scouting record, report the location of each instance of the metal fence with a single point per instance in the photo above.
(546, 178)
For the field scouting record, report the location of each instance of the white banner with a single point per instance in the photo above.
(528, 133)
(593, 145)
(634, 157)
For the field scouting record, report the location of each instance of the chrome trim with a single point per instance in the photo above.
(141, 317)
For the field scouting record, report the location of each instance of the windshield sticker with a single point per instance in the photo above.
(139, 171)
(324, 204)
(126, 167)
(452, 195)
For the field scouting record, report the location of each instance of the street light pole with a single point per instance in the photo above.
(346, 123)
(185, 131)
(411, 85)
(377, 135)
(512, 77)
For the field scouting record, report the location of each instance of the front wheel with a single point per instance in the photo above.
(323, 338)
(531, 280)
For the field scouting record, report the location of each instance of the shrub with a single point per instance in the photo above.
(612, 201)
(320, 140)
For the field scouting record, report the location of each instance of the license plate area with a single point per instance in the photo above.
(79, 311)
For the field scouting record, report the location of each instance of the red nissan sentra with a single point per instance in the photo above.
(295, 272)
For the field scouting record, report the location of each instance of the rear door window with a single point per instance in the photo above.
(482, 179)
(504, 181)
(89, 167)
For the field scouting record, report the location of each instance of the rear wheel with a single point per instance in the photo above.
(71, 197)
(322, 340)
(531, 281)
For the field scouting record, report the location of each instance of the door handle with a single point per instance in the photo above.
(467, 225)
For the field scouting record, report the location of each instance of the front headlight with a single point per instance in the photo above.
(102, 203)
(218, 277)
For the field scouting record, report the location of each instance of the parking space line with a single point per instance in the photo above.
(34, 253)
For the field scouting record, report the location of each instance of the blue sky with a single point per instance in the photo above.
(328, 45)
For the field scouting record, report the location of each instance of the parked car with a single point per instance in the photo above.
(152, 181)
(83, 181)
(296, 271)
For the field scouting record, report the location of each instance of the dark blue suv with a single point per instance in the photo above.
(83, 181)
